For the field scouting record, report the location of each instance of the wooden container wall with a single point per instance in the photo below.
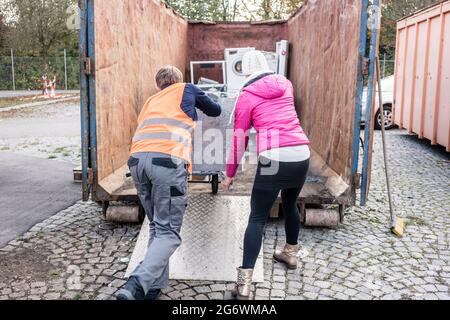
(325, 38)
(132, 40)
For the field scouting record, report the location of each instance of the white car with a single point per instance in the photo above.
(387, 87)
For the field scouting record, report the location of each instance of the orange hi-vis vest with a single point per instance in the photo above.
(164, 127)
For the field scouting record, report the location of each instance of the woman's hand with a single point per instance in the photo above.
(227, 183)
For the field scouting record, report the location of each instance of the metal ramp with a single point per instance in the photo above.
(212, 233)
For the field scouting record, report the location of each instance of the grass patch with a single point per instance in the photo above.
(63, 151)
(373, 220)
(95, 293)
(16, 101)
(4, 148)
(52, 156)
(417, 221)
(77, 296)
(60, 150)
(53, 273)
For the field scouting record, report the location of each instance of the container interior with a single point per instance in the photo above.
(134, 38)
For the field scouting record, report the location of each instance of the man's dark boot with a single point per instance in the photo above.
(132, 290)
(152, 294)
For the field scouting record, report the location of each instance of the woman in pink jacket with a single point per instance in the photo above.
(266, 103)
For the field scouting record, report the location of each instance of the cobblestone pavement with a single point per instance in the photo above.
(77, 255)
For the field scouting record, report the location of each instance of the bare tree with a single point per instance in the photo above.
(276, 9)
(39, 26)
(233, 10)
(394, 10)
(3, 32)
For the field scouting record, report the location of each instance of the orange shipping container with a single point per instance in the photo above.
(422, 74)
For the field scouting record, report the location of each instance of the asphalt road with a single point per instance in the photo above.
(31, 190)
(55, 120)
(33, 187)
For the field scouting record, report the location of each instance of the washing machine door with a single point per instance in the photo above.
(233, 58)
(235, 77)
(236, 66)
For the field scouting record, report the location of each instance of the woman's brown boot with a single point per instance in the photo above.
(243, 287)
(287, 256)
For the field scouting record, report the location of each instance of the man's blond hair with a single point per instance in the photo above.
(167, 76)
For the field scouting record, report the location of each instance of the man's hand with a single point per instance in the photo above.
(227, 183)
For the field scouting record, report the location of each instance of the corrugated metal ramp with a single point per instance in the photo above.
(212, 233)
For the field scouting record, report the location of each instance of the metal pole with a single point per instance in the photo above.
(65, 69)
(12, 70)
(384, 65)
(385, 154)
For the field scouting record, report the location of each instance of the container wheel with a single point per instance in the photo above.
(105, 205)
(342, 212)
(141, 213)
(215, 184)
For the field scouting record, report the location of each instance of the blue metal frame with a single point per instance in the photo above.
(360, 86)
(87, 86)
(370, 87)
(92, 113)
(84, 100)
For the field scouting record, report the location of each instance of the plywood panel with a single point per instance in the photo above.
(132, 40)
(324, 37)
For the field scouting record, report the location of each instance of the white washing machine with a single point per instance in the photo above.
(272, 60)
(278, 61)
(283, 57)
(233, 60)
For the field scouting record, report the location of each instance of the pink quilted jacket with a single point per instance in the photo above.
(268, 106)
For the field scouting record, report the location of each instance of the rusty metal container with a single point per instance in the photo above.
(123, 43)
(422, 74)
